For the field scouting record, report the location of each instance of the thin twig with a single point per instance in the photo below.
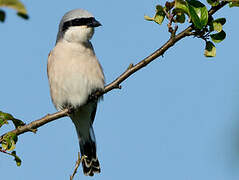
(79, 160)
(116, 83)
(3, 151)
(170, 17)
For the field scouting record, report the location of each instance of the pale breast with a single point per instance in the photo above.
(74, 73)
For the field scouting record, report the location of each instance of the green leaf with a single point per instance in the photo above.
(198, 13)
(17, 159)
(158, 17)
(160, 14)
(217, 24)
(15, 4)
(6, 117)
(2, 16)
(210, 49)
(181, 4)
(9, 141)
(24, 16)
(222, 21)
(218, 37)
(2, 122)
(180, 17)
(234, 4)
(213, 2)
(148, 18)
(13, 137)
(7, 144)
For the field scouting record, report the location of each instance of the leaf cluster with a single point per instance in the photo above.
(14, 4)
(205, 27)
(9, 140)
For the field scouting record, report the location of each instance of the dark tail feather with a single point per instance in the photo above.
(83, 123)
(90, 161)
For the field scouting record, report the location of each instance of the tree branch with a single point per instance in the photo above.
(31, 127)
(116, 83)
(79, 160)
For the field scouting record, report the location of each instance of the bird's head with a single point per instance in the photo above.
(77, 26)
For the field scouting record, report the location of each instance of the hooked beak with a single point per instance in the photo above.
(94, 23)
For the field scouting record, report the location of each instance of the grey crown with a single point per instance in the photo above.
(75, 13)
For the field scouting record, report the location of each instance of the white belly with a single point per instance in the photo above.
(73, 75)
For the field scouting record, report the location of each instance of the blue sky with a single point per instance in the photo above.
(175, 119)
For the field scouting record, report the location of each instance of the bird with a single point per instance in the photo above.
(74, 75)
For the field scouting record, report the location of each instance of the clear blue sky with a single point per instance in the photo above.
(176, 119)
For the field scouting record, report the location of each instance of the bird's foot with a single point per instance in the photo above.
(94, 96)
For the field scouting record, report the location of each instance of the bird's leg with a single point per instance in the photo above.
(94, 96)
(70, 110)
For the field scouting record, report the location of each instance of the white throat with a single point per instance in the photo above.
(78, 34)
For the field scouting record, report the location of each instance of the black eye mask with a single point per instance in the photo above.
(90, 22)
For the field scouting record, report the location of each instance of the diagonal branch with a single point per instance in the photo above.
(116, 83)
